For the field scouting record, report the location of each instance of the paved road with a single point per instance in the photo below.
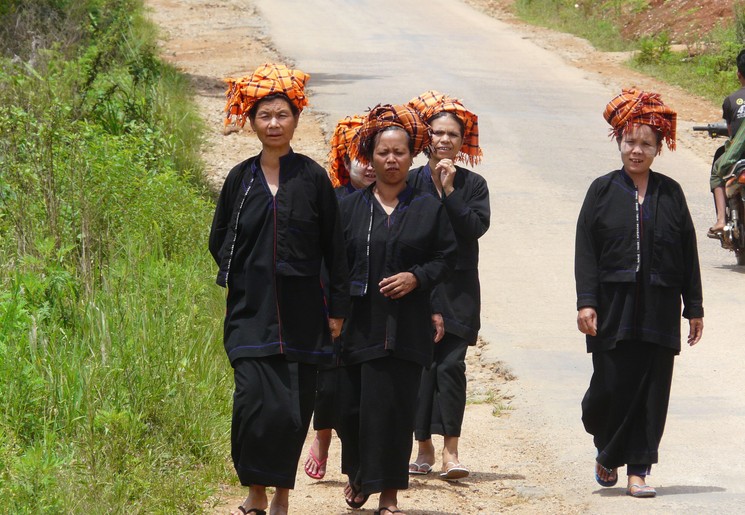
(544, 140)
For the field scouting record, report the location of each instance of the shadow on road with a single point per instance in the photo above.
(664, 490)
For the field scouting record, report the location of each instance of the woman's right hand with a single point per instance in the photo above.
(587, 321)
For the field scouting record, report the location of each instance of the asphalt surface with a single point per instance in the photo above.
(544, 140)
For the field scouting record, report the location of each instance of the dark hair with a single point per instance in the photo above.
(741, 62)
(368, 143)
(273, 96)
(427, 150)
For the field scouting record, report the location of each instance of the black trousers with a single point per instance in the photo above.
(442, 393)
(377, 402)
(272, 408)
(625, 407)
(326, 407)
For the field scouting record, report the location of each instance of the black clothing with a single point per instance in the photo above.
(458, 298)
(343, 191)
(442, 393)
(327, 404)
(377, 402)
(386, 342)
(269, 249)
(635, 273)
(733, 110)
(625, 407)
(272, 407)
(418, 238)
(326, 409)
(633, 264)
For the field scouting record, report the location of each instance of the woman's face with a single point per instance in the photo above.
(638, 147)
(361, 175)
(391, 158)
(274, 123)
(447, 138)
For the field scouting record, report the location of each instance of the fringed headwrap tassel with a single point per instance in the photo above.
(341, 141)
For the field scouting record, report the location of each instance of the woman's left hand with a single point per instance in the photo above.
(696, 329)
(438, 324)
(398, 285)
(335, 325)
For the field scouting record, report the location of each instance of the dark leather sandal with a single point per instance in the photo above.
(355, 493)
(254, 511)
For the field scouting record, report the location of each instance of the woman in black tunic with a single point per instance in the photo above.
(399, 245)
(635, 259)
(276, 220)
(457, 301)
(347, 176)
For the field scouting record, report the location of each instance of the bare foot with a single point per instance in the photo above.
(280, 502)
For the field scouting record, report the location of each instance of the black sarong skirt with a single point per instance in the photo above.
(625, 407)
(377, 402)
(272, 408)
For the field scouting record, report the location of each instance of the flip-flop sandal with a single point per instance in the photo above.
(319, 464)
(419, 469)
(251, 511)
(381, 511)
(457, 471)
(355, 493)
(642, 491)
(715, 234)
(602, 482)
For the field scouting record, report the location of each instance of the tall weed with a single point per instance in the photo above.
(113, 382)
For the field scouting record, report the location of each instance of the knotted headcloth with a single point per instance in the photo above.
(433, 102)
(642, 108)
(383, 116)
(341, 141)
(268, 79)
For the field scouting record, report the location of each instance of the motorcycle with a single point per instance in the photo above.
(732, 236)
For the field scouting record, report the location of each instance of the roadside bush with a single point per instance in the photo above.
(113, 388)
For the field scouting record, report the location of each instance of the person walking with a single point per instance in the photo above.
(635, 260)
(457, 301)
(276, 221)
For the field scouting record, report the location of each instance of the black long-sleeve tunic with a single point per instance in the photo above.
(458, 298)
(270, 249)
(634, 263)
(418, 238)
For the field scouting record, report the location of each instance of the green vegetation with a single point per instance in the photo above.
(595, 21)
(113, 380)
(705, 67)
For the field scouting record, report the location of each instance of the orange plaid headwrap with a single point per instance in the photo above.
(269, 78)
(643, 108)
(383, 116)
(341, 141)
(433, 102)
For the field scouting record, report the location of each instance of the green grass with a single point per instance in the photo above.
(114, 386)
(594, 21)
(707, 68)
